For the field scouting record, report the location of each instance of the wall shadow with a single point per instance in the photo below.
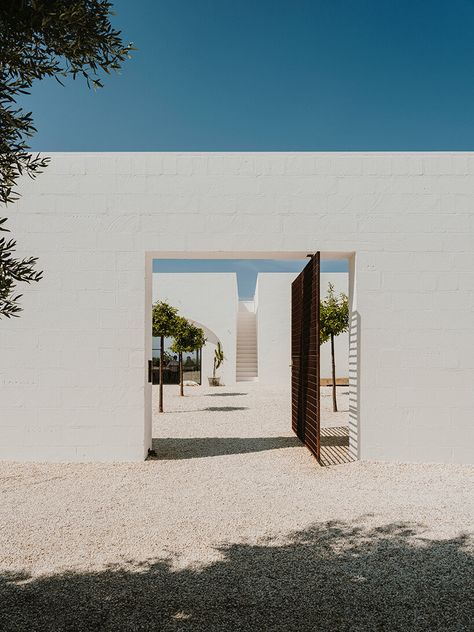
(355, 350)
(331, 577)
(170, 449)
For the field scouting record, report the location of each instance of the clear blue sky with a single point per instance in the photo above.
(256, 75)
(273, 75)
(246, 269)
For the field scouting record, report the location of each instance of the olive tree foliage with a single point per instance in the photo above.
(187, 337)
(43, 39)
(12, 271)
(333, 321)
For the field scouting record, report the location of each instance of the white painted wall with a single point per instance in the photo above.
(273, 297)
(73, 367)
(209, 299)
(340, 280)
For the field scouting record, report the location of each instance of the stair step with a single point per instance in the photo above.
(247, 362)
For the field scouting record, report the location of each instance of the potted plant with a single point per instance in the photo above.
(218, 360)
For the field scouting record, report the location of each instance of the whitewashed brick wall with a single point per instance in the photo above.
(72, 368)
(273, 298)
(209, 299)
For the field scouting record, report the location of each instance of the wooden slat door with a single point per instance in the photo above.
(305, 370)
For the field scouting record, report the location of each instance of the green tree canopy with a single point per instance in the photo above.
(333, 321)
(11, 271)
(39, 39)
(187, 337)
(333, 315)
(164, 319)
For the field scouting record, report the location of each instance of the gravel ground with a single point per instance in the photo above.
(235, 527)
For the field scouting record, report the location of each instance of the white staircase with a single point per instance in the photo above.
(247, 366)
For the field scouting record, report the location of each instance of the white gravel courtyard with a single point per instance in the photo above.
(234, 526)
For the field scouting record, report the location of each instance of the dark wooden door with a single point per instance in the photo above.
(305, 371)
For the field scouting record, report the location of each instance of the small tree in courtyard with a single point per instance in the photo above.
(333, 321)
(187, 338)
(164, 320)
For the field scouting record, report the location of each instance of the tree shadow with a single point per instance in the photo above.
(171, 449)
(225, 394)
(331, 577)
(222, 409)
(225, 408)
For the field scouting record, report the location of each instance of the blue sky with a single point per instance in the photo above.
(246, 269)
(273, 75)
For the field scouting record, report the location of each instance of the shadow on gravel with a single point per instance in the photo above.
(173, 448)
(225, 408)
(332, 577)
(221, 409)
(225, 394)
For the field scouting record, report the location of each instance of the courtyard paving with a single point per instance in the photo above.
(235, 527)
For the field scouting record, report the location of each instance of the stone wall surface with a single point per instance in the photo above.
(210, 300)
(73, 367)
(273, 298)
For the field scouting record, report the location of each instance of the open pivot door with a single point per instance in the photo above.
(305, 370)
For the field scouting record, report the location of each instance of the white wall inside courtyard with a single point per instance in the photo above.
(273, 298)
(209, 299)
(73, 366)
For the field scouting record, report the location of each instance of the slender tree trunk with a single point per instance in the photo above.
(333, 360)
(181, 376)
(162, 356)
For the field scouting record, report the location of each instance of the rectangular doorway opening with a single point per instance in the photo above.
(179, 278)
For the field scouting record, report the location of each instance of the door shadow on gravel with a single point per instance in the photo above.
(331, 578)
(172, 449)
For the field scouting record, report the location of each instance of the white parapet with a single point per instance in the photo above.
(73, 366)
